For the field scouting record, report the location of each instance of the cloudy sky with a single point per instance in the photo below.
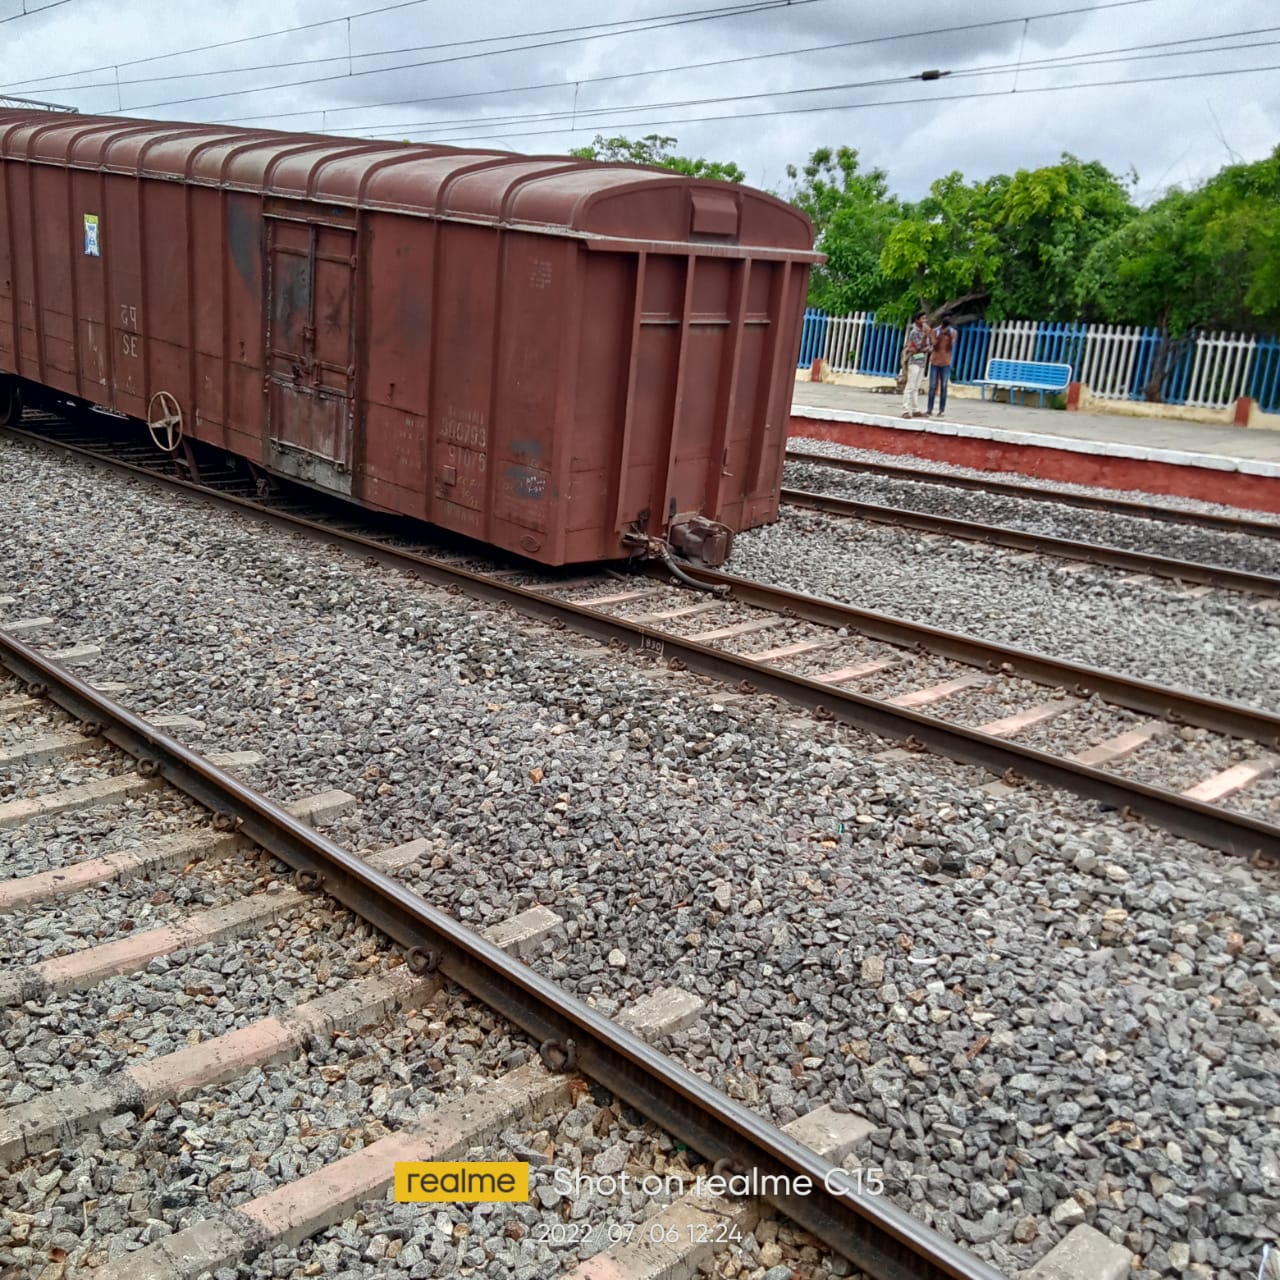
(760, 82)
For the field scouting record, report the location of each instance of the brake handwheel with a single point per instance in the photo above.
(164, 421)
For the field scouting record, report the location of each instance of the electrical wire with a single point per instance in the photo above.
(31, 13)
(718, 62)
(593, 31)
(995, 69)
(887, 102)
(207, 48)
(722, 11)
(763, 6)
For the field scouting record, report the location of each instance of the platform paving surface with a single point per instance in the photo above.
(1258, 443)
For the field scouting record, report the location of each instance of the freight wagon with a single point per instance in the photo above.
(569, 360)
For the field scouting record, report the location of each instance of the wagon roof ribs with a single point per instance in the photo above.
(549, 194)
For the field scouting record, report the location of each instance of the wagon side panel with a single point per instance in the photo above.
(599, 443)
(15, 273)
(465, 299)
(394, 344)
(55, 279)
(762, 502)
(537, 324)
(92, 335)
(167, 323)
(209, 266)
(243, 323)
(696, 454)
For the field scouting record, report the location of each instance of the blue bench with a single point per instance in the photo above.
(1026, 375)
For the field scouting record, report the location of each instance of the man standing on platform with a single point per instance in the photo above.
(944, 338)
(917, 354)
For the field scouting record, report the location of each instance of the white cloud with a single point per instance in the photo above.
(1173, 131)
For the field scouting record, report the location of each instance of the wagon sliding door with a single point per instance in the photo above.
(310, 351)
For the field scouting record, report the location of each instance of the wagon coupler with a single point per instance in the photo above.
(704, 538)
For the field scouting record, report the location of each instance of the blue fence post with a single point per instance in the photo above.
(1264, 377)
(971, 362)
(812, 337)
(1059, 342)
(1141, 371)
(1175, 392)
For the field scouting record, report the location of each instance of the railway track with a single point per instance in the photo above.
(799, 651)
(209, 877)
(1214, 521)
(1219, 577)
(1215, 576)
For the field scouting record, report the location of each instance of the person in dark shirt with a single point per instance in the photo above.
(944, 339)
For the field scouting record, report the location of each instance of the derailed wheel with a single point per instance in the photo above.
(10, 402)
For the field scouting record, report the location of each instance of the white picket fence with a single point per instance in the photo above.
(842, 349)
(1013, 340)
(1218, 374)
(1110, 352)
(1104, 356)
(1220, 368)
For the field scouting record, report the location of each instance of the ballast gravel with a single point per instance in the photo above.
(53, 840)
(101, 915)
(67, 1040)
(830, 449)
(1051, 1013)
(1251, 554)
(1220, 644)
(147, 1175)
(599, 1177)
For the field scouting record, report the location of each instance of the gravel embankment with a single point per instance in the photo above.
(66, 1040)
(1219, 644)
(1052, 1014)
(1130, 533)
(830, 449)
(152, 1173)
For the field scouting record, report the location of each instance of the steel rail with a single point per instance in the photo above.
(1217, 828)
(871, 1232)
(1043, 543)
(1178, 706)
(1012, 489)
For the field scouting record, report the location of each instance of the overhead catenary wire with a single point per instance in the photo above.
(828, 47)
(579, 112)
(589, 114)
(347, 56)
(749, 6)
(578, 33)
(1061, 59)
(885, 102)
(208, 48)
(31, 13)
(654, 22)
(762, 6)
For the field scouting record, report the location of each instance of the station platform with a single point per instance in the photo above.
(1237, 466)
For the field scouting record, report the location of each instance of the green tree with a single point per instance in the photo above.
(944, 253)
(1048, 220)
(1206, 258)
(655, 151)
(1145, 272)
(1007, 246)
(853, 214)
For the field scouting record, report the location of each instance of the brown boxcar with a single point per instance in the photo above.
(553, 356)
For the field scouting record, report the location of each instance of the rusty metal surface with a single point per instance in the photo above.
(869, 1230)
(542, 353)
